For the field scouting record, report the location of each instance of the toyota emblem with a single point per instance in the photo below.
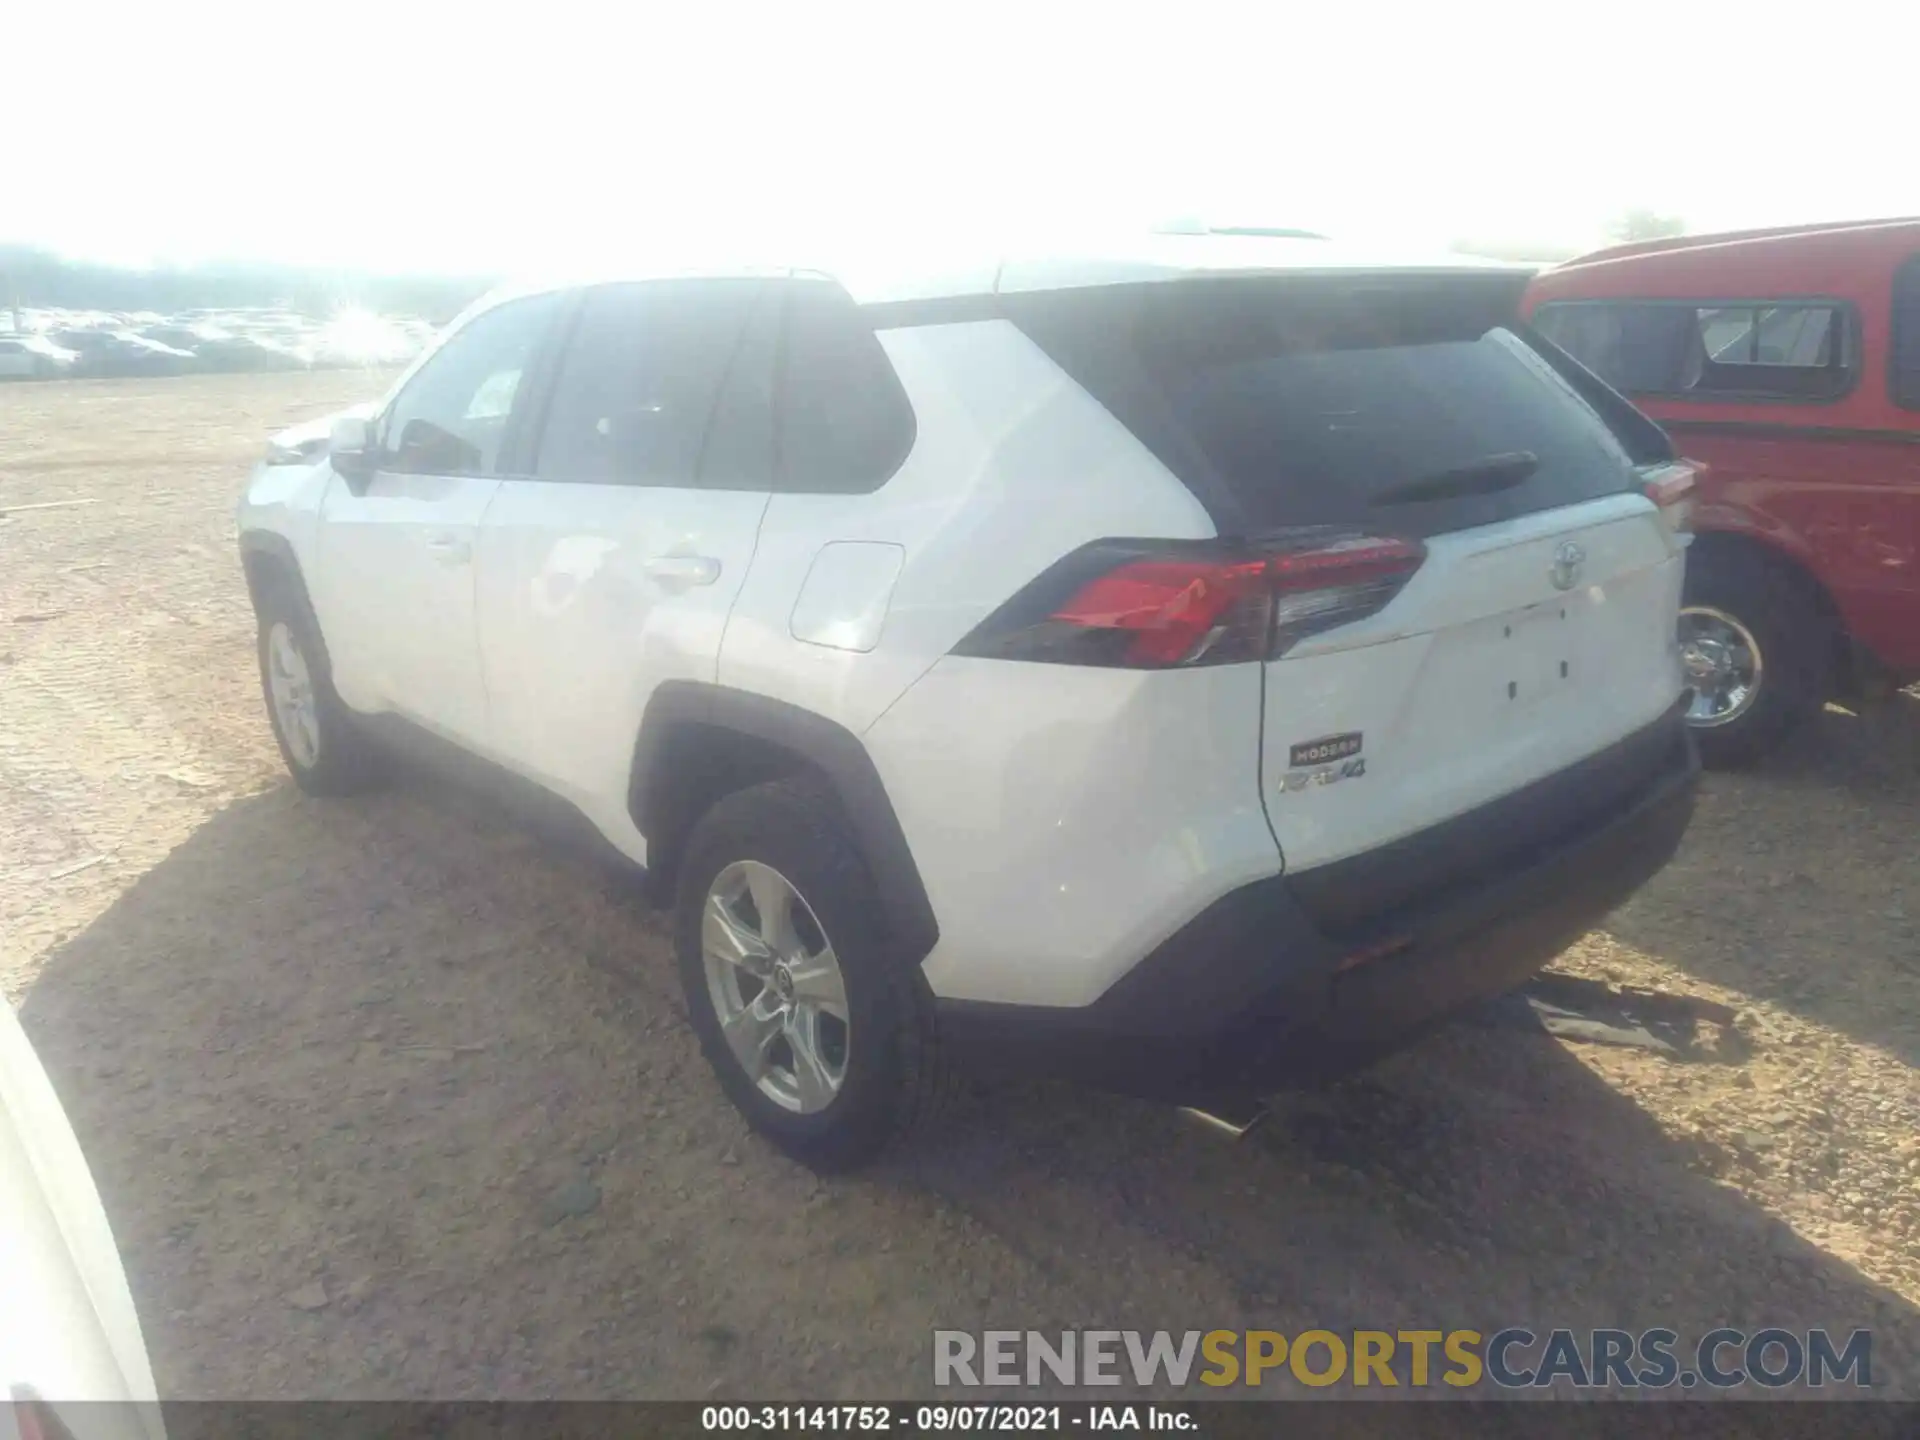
(1567, 561)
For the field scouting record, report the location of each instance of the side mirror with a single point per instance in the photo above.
(352, 449)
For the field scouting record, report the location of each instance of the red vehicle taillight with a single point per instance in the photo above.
(1674, 487)
(1133, 605)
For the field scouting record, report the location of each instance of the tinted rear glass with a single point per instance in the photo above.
(1308, 402)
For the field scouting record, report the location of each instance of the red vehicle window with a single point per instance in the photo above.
(1903, 377)
(1796, 350)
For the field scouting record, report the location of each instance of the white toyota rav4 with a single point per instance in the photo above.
(1191, 667)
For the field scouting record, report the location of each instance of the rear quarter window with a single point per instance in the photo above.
(844, 422)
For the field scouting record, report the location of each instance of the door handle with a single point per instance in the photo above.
(683, 569)
(450, 549)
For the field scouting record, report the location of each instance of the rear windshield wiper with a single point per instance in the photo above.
(1485, 476)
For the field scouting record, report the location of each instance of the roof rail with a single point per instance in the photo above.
(1728, 237)
(1186, 225)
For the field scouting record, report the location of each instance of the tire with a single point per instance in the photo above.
(1732, 590)
(334, 756)
(891, 1073)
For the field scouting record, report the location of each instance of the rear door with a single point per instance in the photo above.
(613, 564)
(1538, 628)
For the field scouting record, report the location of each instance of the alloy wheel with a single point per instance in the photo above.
(290, 688)
(776, 987)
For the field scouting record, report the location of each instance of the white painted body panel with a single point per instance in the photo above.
(1013, 466)
(393, 585)
(1425, 681)
(591, 596)
(68, 1329)
(284, 500)
(1068, 819)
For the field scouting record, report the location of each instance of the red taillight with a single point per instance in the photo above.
(1674, 487)
(1172, 610)
(1124, 604)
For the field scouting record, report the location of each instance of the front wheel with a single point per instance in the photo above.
(324, 747)
(814, 1027)
(1757, 651)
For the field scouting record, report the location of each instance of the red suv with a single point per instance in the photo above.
(1788, 361)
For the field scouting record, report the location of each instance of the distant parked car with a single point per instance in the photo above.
(1789, 362)
(123, 352)
(34, 357)
(179, 337)
(217, 348)
(279, 350)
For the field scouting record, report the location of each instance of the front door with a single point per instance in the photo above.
(395, 588)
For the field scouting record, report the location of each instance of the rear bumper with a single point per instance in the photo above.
(1302, 977)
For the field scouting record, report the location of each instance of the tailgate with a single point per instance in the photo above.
(1486, 673)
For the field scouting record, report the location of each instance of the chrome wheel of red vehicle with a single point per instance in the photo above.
(1757, 650)
(1724, 665)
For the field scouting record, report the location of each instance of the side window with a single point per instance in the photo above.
(1797, 335)
(1904, 377)
(640, 383)
(452, 417)
(1785, 350)
(1637, 349)
(845, 424)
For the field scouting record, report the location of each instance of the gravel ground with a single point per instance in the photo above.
(393, 1097)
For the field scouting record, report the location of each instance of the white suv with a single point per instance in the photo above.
(1191, 667)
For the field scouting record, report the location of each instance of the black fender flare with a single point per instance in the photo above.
(269, 545)
(829, 748)
(270, 549)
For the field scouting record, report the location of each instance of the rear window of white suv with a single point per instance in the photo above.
(1414, 405)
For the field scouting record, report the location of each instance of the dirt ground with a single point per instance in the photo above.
(392, 1097)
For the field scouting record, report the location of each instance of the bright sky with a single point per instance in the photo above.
(409, 134)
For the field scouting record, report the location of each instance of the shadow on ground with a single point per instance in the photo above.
(391, 1098)
(1798, 883)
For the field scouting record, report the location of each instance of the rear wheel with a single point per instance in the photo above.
(813, 1026)
(325, 749)
(1757, 650)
